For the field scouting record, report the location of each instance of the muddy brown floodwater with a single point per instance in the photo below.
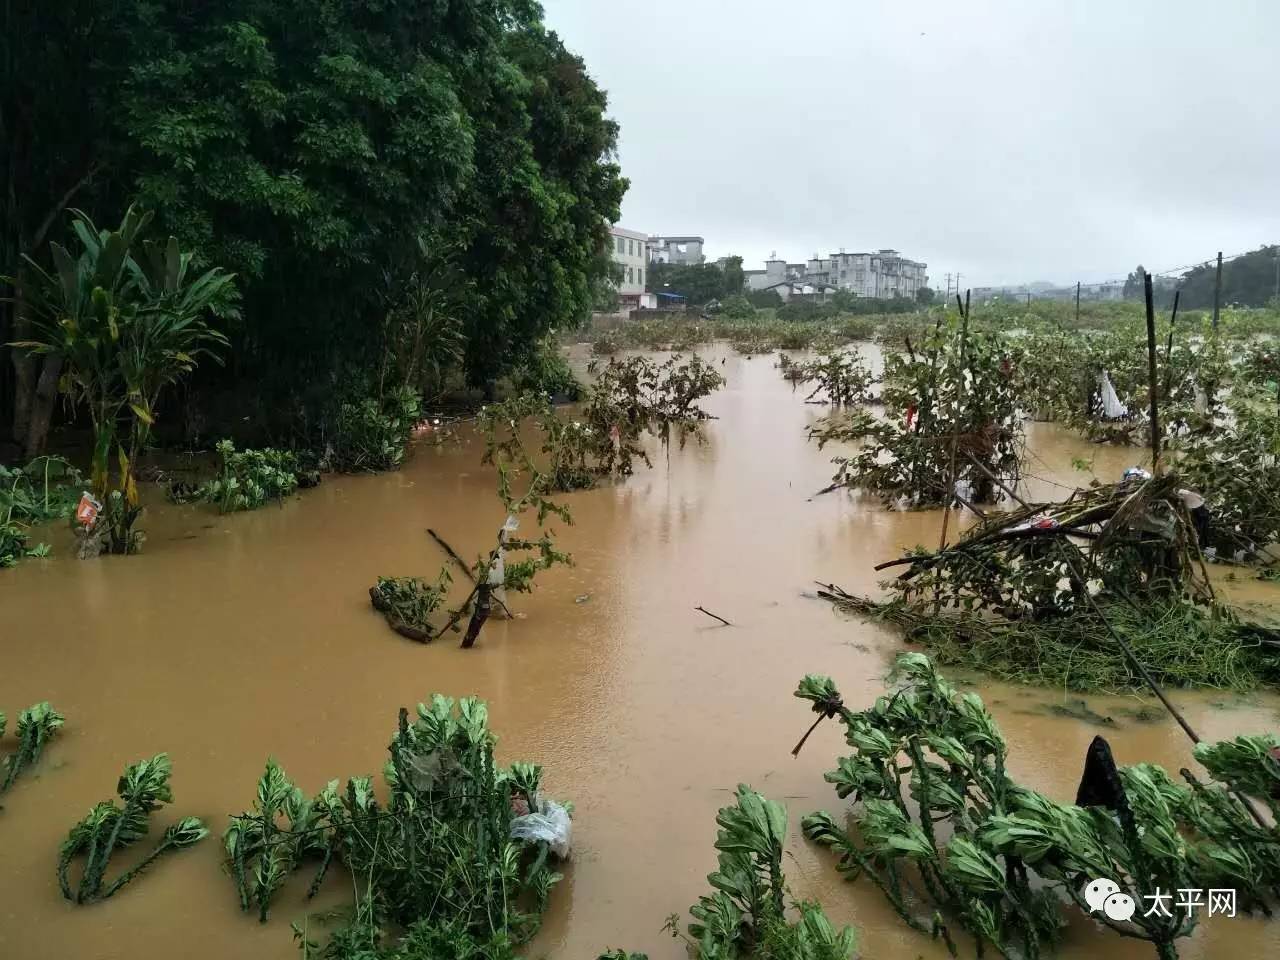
(232, 639)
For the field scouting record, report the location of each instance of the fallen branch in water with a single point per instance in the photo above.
(714, 616)
(453, 554)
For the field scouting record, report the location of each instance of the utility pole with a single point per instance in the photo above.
(1277, 293)
(1217, 292)
(1077, 303)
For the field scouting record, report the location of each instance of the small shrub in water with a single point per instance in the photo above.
(371, 434)
(748, 914)
(144, 788)
(249, 478)
(36, 726)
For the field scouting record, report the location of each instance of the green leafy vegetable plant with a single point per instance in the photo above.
(109, 827)
(949, 837)
(247, 479)
(36, 726)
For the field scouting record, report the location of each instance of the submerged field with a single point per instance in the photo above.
(234, 638)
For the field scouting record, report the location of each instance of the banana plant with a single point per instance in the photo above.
(108, 827)
(36, 726)
(124, 329)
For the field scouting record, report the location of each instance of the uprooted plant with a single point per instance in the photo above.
(940, 822)
(458, 860)
(36, 726)
(108, 828)
(749, 914)
(1040, 594)
(408, 602)
(945, 407)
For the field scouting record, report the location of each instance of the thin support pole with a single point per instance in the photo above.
(1152, 383)
(955, 436)
(1217, 292)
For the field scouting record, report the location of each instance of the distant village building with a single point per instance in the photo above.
(882, 275)
(629, 251)
(686, 250)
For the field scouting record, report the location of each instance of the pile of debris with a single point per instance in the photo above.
(1053, 593)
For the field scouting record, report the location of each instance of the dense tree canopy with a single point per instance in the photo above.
(1249, 281)
(308, 145)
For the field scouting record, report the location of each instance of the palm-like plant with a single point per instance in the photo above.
(127, 318)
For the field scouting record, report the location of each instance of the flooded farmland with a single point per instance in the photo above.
(234, 638)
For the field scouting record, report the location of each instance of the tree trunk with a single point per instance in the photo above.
(41, 411)
(24, 388)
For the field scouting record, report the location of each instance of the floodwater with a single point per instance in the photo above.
(236, 638)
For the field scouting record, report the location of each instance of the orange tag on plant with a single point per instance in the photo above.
(87, 510)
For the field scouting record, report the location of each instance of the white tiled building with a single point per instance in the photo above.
(630, 253)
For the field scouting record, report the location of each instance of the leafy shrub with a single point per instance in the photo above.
(371, 434)
(144, 788)
(47, 488)
(248, 479)
(949, 396)
(547, 372)
(410, 600)
(737, 308)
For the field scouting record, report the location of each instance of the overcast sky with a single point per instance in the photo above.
(1011, 141)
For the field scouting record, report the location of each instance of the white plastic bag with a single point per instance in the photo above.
(1112, 408)
(551, 823)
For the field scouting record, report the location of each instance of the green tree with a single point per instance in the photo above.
(61, 62)
(733, 276)
(307, 145)
(925, 296)
(1133, 285)
(1250, 280)
(699, 283)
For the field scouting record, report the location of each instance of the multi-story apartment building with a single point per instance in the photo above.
(686, 250)
(629, 251)
(882, 275)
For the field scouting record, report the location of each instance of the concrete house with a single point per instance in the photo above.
(687, 250)
(629, 252)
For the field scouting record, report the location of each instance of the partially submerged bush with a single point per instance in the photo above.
(36, 726)
(945, 407)
(249, 478)
(458, 862)
(1236, 468)
(941, 823)
(45, 489)
(371, 434)
(843, 377)
(108, 828)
